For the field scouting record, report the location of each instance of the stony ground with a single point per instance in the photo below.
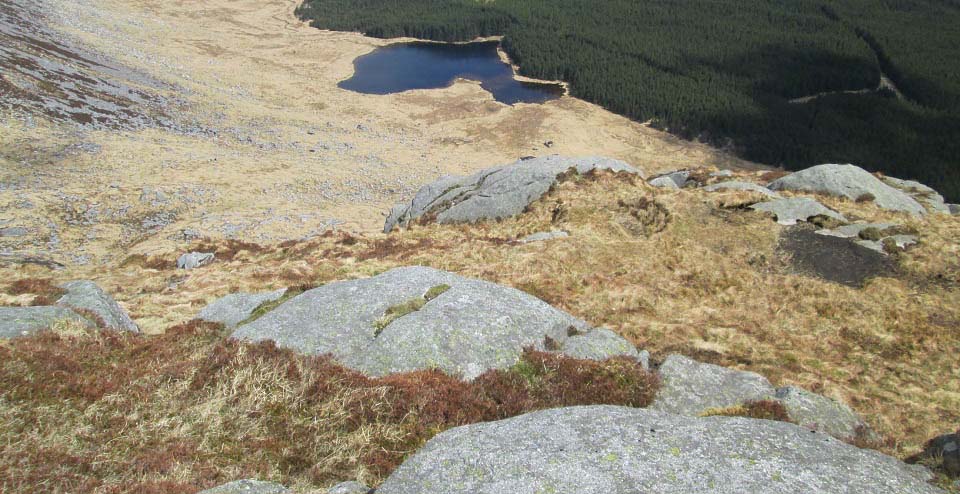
(686, 271)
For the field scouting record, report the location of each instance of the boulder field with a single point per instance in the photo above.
(415, 317)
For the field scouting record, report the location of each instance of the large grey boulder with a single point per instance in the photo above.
(233, 309)
(86, 295)
(744, 186)
(954, 208)
(821, 413)
(193, 260)
(620, 450)
(25, 321)
(923, 194)
(494, 193)
(847, 181)
(790, 211)
(690, 387)
(247, 486)
(416, 318)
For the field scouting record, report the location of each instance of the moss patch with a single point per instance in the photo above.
(269, 305)
(435, 292)
(395, 312)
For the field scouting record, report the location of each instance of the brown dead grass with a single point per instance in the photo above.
(44, 290)
(759, 409)
(108, 412)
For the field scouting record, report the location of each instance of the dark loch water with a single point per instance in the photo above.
(405, 66)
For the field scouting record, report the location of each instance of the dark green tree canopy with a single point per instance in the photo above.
(729, 70)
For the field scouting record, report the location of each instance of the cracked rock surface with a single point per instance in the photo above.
(607, 449)
(493, 193)
(471, 326)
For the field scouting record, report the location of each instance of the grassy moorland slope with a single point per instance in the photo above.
(674, 271)
(726, 70)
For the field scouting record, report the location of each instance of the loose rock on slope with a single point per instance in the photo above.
(923, 194)
(790, 211)
(611, 450)
(87, 295)
(192, 260)
(821, 413)
(25, 321)
(494, 193)
(848, 181)
(416, 318)
(690, 387)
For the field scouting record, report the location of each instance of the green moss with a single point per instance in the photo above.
(435, 292)
(269, 305)
(395, 312)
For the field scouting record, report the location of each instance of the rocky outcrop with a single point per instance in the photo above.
(608, 449)
(874, 236)
(192, 260)
(673, 180)
(690, 387)
(820, 413)
(854, 230)
(247, 486)
(790, 211)
(925, 195)
(233, 309)
(415, 318)
(743, 186)
(851, 182)
(899, 241)
(664, 182)
(25, 321)
(494, 193)
(87, 296)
